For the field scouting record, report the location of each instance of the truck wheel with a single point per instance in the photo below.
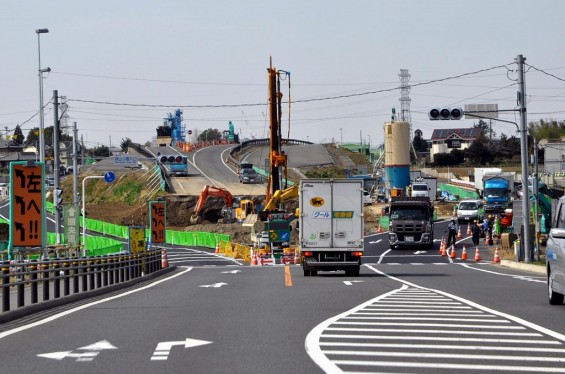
(306, 273)
(314, 273)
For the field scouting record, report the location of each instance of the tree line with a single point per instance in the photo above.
(489, 148)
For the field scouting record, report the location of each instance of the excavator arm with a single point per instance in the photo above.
(207, 192)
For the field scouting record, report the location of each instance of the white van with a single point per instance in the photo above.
(470, 211)
(420, 189)
(556, 256)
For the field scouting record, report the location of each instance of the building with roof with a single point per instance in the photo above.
(445, 140)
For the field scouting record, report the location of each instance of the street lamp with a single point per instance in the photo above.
(84, 210)
(40, 72)
(340, 136)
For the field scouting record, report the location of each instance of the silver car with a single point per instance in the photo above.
(249, 176)
(556, 256)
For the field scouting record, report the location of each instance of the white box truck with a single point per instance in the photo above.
(331, 225)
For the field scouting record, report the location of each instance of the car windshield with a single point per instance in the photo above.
(408, 213)
(467, 205)
(495, 192)
(419, 187)
(248, 172)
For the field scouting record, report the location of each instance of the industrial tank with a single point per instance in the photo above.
(397, 155)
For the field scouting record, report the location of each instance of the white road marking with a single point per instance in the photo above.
(85, 306)
(350, 283)
(521, 277)
(164, 348)
(383, 255)
(467, 326)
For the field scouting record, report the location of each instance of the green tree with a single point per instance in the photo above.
(443, 159)
(125, 144)
(33, 137)
(479, 152)
(101, 151)
(210, 134)
(420, 145)
(547, 129)
(18, 137)
(458, 156)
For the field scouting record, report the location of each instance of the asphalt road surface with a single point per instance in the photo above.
(408, 311)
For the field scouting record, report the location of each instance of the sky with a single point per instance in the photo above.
(124, 65)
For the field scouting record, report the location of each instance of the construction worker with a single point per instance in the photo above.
(452, 229)
(476, 232)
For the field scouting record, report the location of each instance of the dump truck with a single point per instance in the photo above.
(331, 225)
(411, 222)
(495, 187)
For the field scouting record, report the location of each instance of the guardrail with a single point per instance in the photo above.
(64, 279)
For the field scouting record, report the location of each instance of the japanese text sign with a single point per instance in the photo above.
(157, 215)
(27, 199)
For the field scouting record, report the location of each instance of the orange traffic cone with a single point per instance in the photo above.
(253, 258)
(441, 245)
(468, 229)
(496, 256)
(459, 236)
(379, 228)
(464, 253)
(444, 250)
(217, 247)
(477, 254)
(487, 238)
(454, 213)
(164, 259)
(453, 253)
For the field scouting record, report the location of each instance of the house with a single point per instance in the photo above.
(445, 140)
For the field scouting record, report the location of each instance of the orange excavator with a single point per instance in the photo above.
(211, 191)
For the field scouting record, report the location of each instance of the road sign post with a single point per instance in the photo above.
(27, 202)
(158, 219)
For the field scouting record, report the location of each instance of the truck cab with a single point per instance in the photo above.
(420, 189)
(411, 222)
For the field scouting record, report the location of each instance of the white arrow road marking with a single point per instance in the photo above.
(215, 285)
(350, 283)
(376, 241)
(101, 345)
(164, 348)
(231, 272)
(420, 252)
(92, 351)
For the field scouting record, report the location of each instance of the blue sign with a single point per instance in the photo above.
(109, 177)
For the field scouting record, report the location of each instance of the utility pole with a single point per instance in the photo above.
(526, 240)
(535, 186)
(75, 167)
(56, 190)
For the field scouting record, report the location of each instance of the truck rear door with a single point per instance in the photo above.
(347, 218)
(316, 214)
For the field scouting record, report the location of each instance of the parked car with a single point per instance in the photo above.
(249, 176)
(50, 181)
(367, 199)
(555, 261)
(470, 211)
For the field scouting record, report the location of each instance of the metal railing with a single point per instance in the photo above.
(61, 278)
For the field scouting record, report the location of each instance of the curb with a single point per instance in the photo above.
(538, 269)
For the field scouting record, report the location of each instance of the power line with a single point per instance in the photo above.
(546, 73)
(295, 101)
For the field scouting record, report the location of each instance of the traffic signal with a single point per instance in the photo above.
(455, 113)
(58, 196)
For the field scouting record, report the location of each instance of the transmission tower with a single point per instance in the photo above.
(405, 103)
